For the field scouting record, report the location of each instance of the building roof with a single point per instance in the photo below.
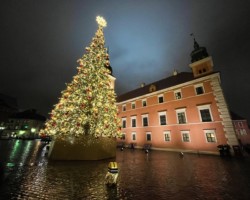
(159, 85)
(28, 114)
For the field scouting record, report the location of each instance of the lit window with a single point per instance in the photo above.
(199, 89)
(133, 105)
(162, 118)
(205, 113)
(167, 137)
(123, 122)
(144, 120)
(148, 136)
(181, 116)
(243, 132)
(133, 136)
(185, 136)
(160, 99)
(144, 102)
(177, 94)
(210, 135)
(133, 121)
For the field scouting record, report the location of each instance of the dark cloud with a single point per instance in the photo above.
(41, 41)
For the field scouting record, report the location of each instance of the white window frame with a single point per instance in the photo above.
(159, 96)
(175, 94)
(124, 119)
(131, 120)
(133, 136)
(142, 102)
(148, 133)
(167, 133)
(204, 107)
(159, 117)
(185, 132)
(145, 116)
(243, 131)
(197, 86)
(210, 131)
(123, 107)
(182, 110)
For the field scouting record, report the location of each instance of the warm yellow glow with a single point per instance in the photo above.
(21, 132)
(33, 130)
(101, 21)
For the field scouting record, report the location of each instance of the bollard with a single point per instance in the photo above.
(112, 174)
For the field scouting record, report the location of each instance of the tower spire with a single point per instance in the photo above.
(199, 52)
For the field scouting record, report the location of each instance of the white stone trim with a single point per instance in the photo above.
(224, 112)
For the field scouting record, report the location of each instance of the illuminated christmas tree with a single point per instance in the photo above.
(87, 105)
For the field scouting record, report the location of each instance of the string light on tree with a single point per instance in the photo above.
(87, 105)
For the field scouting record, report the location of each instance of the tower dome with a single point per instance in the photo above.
(198, 53)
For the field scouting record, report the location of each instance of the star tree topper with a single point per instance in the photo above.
(101, 21)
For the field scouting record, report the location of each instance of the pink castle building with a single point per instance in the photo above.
(185, 112)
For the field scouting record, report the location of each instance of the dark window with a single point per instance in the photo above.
(133, 122)
(145, 121)
(199, 90)
(133, 106)
(148, 137)
(160, 99)
(123, 123)
(133, 137)
(163, 119)
(205, 115)
(144, 103)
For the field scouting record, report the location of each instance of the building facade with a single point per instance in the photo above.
(184, 112)
(24, 125)
(241, 129)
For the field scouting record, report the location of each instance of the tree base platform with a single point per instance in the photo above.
(82, 148)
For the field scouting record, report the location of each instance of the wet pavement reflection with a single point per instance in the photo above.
(26, 173)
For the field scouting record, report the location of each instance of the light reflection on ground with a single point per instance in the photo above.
(26, 173)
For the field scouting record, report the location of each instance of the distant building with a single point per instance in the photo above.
(25, 125)
(184, 112)
(241, 129)
(8, 106)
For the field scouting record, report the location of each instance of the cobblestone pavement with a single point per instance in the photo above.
(26, 173)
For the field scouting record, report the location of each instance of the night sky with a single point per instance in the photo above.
(41, 40)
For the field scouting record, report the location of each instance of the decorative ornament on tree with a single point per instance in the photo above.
(87, 105)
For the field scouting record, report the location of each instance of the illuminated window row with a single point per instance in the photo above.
(199, 89)
(204, 114)
(209, 135)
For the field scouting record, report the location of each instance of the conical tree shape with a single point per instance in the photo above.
(87, 105)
